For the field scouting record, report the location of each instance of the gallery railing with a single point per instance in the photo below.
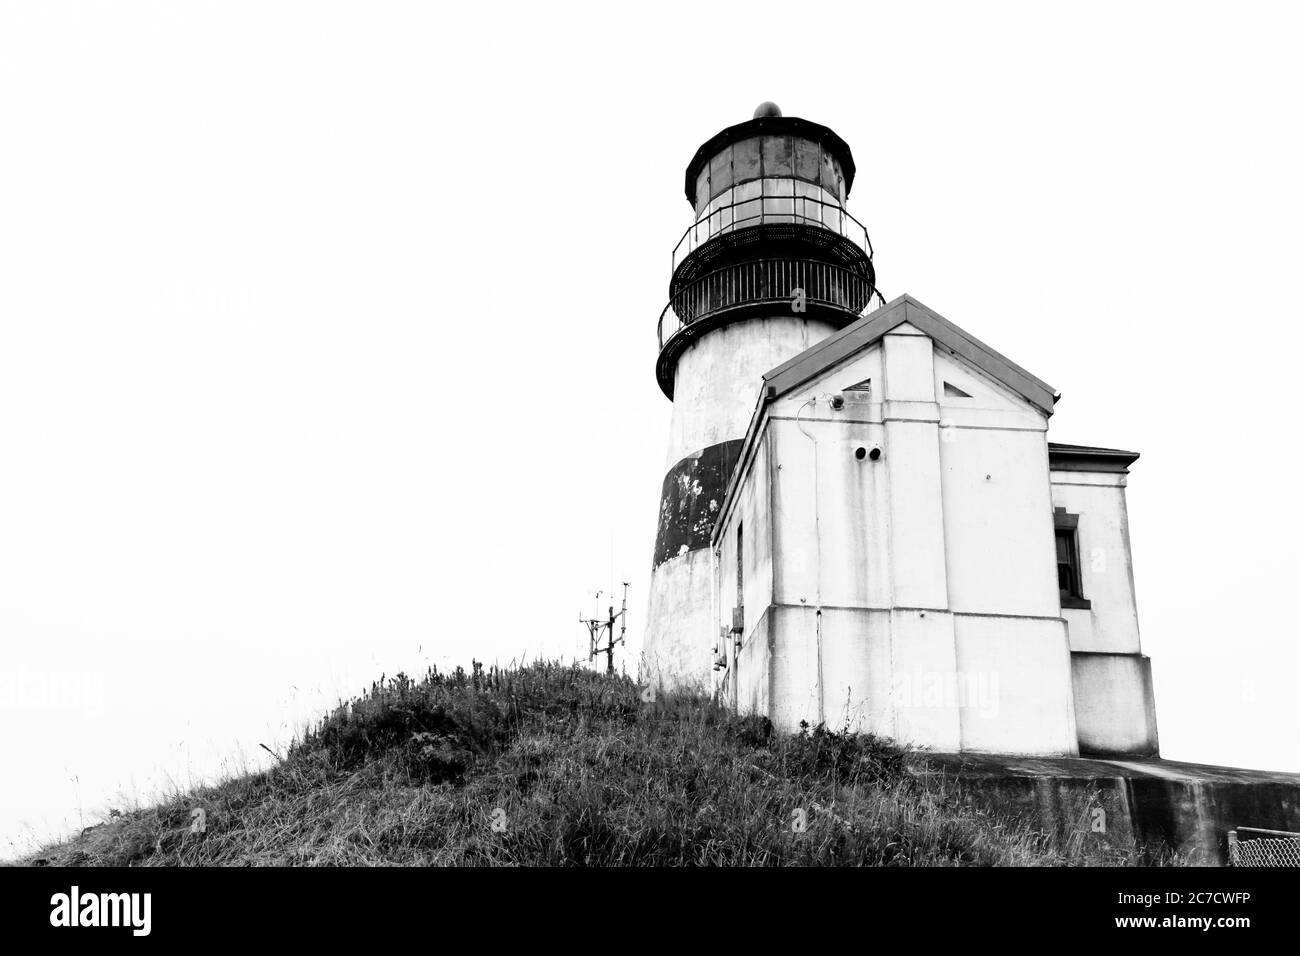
(767, 208)
(796, 283)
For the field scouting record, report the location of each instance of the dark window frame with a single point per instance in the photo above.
(740, 564)
(1067, 531)
(738, 614)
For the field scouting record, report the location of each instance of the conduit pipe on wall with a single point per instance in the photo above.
(715, 601)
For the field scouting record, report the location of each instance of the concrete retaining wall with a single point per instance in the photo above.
(1154, 804)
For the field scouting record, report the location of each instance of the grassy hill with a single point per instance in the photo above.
(554, 765)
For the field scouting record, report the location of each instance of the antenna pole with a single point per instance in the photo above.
(609, 645)
(598, 628)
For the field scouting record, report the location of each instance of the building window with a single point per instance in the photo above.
(1068, 577)
(740, 564)
(738, 614)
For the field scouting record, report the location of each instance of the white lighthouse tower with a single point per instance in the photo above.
(771, 265)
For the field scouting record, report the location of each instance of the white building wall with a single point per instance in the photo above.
(1105, 561)
(914, 596)
(752, 515)
(1113, 688)
(1017, 695)
(998, 524)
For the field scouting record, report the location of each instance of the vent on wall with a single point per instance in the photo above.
(952, 391)
(862, 386)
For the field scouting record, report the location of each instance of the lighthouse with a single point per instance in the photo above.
(771, 264)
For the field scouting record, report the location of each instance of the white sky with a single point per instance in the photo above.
(327, 332)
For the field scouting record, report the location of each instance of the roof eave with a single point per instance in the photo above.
(1061, 457)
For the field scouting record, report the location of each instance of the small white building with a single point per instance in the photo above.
(901, 551)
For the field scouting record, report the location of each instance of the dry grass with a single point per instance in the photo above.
(554, 765)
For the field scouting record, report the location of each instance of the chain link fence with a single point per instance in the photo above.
(1249, 846)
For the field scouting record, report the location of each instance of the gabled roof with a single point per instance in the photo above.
(869, 329)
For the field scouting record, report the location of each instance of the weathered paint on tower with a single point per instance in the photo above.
(772, 265)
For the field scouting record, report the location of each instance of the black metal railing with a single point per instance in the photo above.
(769, 208)
(795, 283)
